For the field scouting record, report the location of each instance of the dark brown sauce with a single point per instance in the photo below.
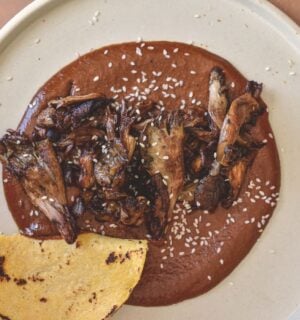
(199, 249)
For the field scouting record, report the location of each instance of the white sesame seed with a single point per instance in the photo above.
(105, 52)
(138, 51)
(5, 180)
(197, 15)
(161, 266)
(110, 64)
(192, 72)
(186, 54)
(123, 56)
(181, 253)
(165, 157)
(96, 78)
(221, 261)
(271, 135)
(292, 73)
(209, 277)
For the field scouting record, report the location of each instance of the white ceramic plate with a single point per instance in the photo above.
(252, 35)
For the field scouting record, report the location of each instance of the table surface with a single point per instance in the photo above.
(8, 8)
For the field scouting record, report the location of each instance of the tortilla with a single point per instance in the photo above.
(50, 279)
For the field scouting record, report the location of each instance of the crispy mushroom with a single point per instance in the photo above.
(164, 154)
(241, 111)
(38, 170)
(217, 100)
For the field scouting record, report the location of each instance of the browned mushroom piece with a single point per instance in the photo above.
(163, 154)
(116, 154)
(241, 111)
(133, 211)
(72, 100)
(210, 191)
(157, 217)
(71, 111)
(38, 170)
(195, 116)
(217, 99)
(87, 177)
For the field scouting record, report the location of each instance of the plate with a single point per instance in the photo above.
(259, 40)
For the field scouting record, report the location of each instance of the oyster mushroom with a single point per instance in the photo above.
(241, 112)
(39, 172)
(217, 100)
(164, 155)
(116, 154)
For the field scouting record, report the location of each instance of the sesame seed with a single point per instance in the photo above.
(193, 250)
(186, 54)
(123, 56)
(209, 277)
(110, 64)
(105, 52)
(161, 266)
(292, 73)
(165, 157)
(138, 51)
(181, 253)
(267, 68)
(232, 84)
(96, 78)
(271, 135)
(221, 261)
(5, 180)
(192, 72)
(43, 197)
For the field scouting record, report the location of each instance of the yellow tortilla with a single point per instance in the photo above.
(48, 280)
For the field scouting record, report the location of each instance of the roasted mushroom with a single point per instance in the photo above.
(241, 111)
(217, 100)
(38, 170)
(116, 153)
(164, 154)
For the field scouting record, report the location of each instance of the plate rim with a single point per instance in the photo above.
(265, 9)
